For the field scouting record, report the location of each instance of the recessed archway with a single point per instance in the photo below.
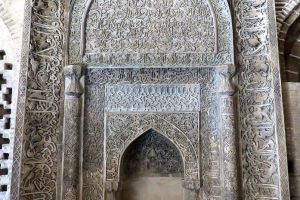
(151, 168)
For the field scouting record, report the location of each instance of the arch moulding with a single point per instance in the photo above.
(117, 143)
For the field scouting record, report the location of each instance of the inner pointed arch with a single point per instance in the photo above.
(151, 155)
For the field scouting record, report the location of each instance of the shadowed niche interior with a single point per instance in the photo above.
(151, 169)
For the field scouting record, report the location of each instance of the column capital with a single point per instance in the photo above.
(73, 74)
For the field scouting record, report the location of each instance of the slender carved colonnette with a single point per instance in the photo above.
(259, 136)
(72, 137)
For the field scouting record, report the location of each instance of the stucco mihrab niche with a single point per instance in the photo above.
(180, 124)
(131, 84)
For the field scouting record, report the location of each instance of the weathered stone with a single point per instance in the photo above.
(162, 66)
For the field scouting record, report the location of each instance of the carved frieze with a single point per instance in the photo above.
(151, 98)
(157, 60)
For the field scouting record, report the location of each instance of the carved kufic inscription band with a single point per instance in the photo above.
(38, 123)
(145, 98)
(161, 60)
(72, 136)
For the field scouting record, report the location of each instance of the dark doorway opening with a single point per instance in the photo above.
(151, 169)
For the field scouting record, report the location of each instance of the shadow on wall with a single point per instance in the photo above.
(152, 169)
(291, 103)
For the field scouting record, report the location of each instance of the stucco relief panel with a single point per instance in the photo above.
(158, 97)
(122, 129)
(40, 99)
(151, 33)
(147, 27)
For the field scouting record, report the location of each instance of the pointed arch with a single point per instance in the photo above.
(117, 143)
(139, 153)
